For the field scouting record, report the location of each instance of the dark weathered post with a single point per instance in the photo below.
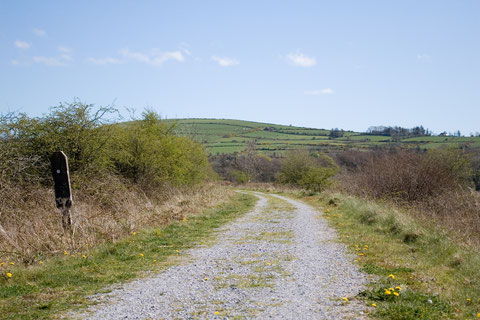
(61, 183)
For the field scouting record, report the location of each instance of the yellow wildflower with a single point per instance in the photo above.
(184, 219)
(72, 255)
(216, 312)
(2, 263)
(206, 279)
(141, 254)
(478, 315)
(468, 299)
(65, 253)
(398, 288)
(134, 233)
(9, 275)
(374, 305)
(84, 256)
(388, 292)
(391, 276)
(345, 299)
(41, 262)
(12, 263)
(139, 247)
(177, 251)
(396, 294)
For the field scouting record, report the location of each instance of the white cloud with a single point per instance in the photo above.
(61, 60)
(22, 44)
(39, 32)
(50, 61)
(104, 61)
(424, 57)
(300, 60)
(155, 57)
(225, 62)
(320, 91)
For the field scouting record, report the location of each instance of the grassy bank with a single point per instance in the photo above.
(62, 283)
(420, 272)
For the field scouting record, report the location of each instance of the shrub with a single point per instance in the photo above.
(310, 171)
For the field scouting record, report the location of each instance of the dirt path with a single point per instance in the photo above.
(280, 261)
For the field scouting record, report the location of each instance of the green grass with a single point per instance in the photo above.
(439, 279)
(229, 136)
(63, 283)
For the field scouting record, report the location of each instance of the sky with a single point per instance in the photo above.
(322, 64)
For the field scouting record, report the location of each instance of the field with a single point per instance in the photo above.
(229, 136)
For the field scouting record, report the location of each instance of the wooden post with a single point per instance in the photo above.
(61, 183)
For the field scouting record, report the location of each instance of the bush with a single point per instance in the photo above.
(310, 171)
(147, 153)
(410, 176)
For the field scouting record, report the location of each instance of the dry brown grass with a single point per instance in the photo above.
(433, 186)
(105, 209)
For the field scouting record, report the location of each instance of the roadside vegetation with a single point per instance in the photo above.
(63, 283)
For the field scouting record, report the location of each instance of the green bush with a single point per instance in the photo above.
(147, 152)
(310, 171)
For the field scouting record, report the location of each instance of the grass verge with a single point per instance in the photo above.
(420, 273)
(64, 283)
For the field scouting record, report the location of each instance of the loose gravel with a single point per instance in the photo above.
(269, 264)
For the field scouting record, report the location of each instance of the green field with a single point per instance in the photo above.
(229, 136)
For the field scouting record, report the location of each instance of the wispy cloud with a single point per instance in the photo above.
(320, 91)
(61, 60)
(424, 57)
(298, 59)
(225, 62)
(154, 58)
(105, 61)
(22, 44)
(39, 32)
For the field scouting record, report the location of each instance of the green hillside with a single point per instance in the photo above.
(229, 136)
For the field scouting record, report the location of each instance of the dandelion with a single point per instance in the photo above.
(468, 299)
(478, 315)
(154, 260)
(398, 288)
(206, 279)
(184, 219)
(396, 294)
(9, 275)
(134, 233)
(345, 299)
(391, 276)
(84, 256)
(267, 263)
(177, 251)
(216, 312)
(141, 254)
(12, 263)
(72, 255)
(2, 263)
(388, 292)
(361, 254)
(65, 253)
(40, 262)
(374, 305)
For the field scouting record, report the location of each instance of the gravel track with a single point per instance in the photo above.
(269, 264)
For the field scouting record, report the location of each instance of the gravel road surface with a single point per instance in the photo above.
(280, 261)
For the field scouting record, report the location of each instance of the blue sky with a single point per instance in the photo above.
(324, 64)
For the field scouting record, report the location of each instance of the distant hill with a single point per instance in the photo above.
(229, 136)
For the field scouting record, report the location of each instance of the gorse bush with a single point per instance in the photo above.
(311, 171)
